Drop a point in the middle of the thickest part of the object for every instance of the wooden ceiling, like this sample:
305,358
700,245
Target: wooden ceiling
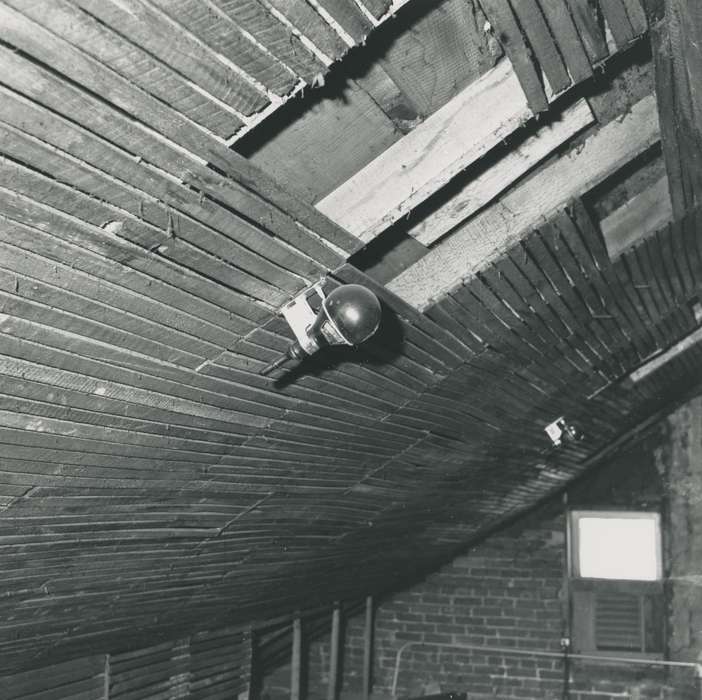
173,171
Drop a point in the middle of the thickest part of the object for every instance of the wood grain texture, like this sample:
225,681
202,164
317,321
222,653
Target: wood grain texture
534,26
158,497
591,34
377,7
449,34
484,235
642,215
508,33
344,122
349,17
393,184
310,24
678,69
617,19
566,36
481,190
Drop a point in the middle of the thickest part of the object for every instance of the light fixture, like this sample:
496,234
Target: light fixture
349,315
561,431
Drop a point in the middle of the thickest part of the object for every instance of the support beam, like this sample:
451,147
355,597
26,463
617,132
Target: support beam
106,678
296,659
415,167
481,190
641,216
677,51
500,225
368,649
335,646
657,362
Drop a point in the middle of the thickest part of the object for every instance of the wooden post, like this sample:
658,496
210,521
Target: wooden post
296,661
334,653
106,678
368,649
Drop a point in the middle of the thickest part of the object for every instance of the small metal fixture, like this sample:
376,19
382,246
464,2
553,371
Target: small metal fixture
561,431
349,315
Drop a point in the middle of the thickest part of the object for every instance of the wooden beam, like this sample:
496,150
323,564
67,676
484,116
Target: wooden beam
657,362
334,650
642,215
368,649
106,678
677,50
502,224
415,167
296,660
504,26
480,191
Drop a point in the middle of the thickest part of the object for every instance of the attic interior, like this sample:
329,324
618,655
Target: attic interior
496,495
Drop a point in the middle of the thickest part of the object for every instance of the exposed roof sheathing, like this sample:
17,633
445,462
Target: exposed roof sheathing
152,484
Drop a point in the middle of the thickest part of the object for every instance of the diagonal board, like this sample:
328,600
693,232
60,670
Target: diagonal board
427,158
641,216
482,189
497,226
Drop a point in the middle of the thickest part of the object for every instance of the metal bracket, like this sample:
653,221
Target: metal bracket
300,316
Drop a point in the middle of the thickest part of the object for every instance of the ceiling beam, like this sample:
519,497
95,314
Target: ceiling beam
657,362
497,226
408,172
488,184
677,51
644,214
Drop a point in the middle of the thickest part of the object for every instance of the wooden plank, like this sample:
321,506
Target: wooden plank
388,188
368,649
641,216
214,264
586,21
83,31
507,30
253,18
257,192
83,235
386,93
537,32
126,132
580,240
153,31
378,8
567,38
496,227
310,24
296,662
683,26
123,288
311,135
114,176
637,16
448,33
618,21
481,190
334,654
349,17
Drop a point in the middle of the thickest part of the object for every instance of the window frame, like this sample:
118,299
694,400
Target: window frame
574,543
584,590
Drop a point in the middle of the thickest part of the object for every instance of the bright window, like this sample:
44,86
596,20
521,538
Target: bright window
619,545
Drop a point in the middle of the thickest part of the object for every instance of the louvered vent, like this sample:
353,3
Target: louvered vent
618,622
628,622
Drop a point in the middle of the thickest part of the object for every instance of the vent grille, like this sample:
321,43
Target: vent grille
628,622
618,622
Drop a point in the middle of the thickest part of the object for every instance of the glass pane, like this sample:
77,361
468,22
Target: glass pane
618,547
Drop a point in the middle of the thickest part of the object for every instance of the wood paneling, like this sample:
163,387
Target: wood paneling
559,37
152,484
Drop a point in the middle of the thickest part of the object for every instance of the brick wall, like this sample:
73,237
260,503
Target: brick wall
508,592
